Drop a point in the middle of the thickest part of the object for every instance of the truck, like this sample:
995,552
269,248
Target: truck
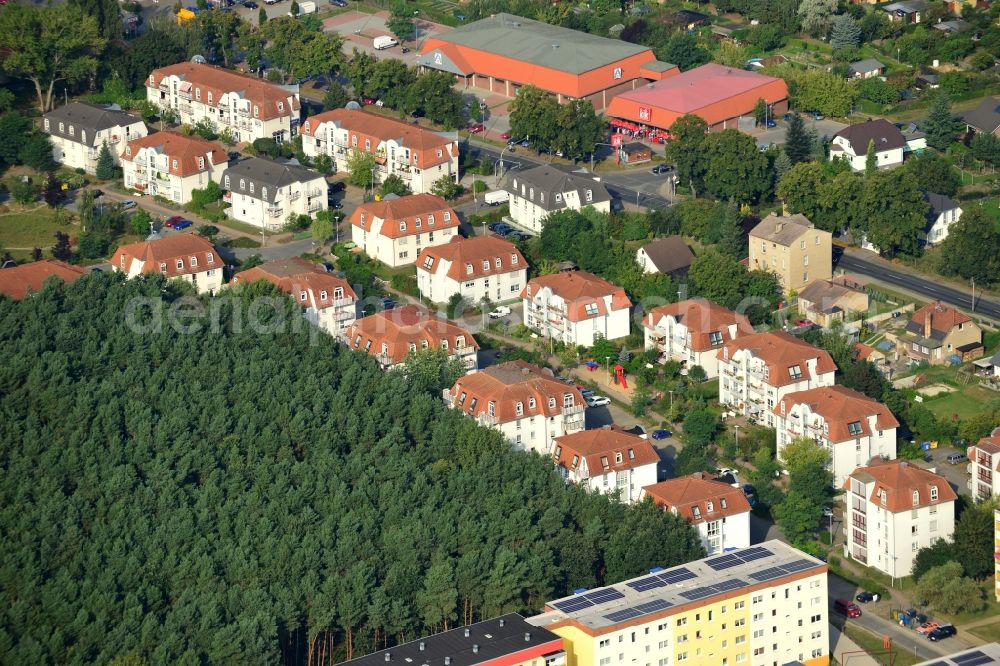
384,42
497,198
307,7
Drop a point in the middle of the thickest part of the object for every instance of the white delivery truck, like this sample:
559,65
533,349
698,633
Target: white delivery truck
308,7
384,42
497,198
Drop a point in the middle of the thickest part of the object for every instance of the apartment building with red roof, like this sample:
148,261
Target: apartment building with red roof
692,331
892,509
171,165
756,371
396,230
419,156
607,460
524,402
392,335
477,268
576,308
250,108
938,333
720,512
186,257
17,282
851,426
984,467
329,301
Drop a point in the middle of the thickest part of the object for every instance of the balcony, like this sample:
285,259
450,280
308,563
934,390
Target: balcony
274,212
184,94
184,108
313,206
294,196
316,192
571,411
245,113
164,87
487,419
448,396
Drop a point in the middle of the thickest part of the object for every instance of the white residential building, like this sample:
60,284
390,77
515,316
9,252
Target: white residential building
186,257
250,108
524,402
545,189
850,425
396,230
893,509
757,371
78,130
607,460
478,268
392,335
943,213
172,165
851,144
419,156
576,308
691,332
265,193
984,467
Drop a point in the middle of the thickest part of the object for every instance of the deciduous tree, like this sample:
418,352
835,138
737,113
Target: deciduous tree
734,167
972,248
684,150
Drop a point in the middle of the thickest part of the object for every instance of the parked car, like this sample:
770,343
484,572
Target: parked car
233,155
497,226
172,221
865,597
586,393
942,632
183,224
369,100
662,168
128,204
847,607
956,458
97,194
477,128
928,626
338,3
516,235
387,303
505,136
499,312
827,512
250,4
335,187
660,433
598,401
335,205
817,115
770,123
405,49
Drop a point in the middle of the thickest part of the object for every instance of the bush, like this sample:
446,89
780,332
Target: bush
479,186
23,191
207,195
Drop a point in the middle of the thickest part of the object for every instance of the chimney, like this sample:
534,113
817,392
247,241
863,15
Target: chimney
778,226
527,637
927,323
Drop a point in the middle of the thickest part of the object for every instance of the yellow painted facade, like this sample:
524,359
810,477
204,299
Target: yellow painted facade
996,544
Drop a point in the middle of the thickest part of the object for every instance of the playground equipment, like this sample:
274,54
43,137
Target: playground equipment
620,375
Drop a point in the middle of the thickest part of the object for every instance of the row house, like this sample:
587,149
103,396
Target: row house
265,193
328,300
852,427
171,165
607,460
396,230
392,335
248,107
758,370
892,509
984,467
186,257
719,512
477,269
524,402
78,130
419,156
692,331
576,308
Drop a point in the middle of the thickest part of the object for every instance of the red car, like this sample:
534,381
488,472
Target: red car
172,222
477,128
369,100
505,136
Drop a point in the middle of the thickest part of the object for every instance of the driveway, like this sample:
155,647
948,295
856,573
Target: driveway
823,128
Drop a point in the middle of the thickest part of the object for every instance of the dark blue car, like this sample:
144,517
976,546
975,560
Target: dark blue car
183,224
660,433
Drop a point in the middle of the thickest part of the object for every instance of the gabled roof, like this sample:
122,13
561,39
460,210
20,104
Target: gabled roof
600,448
900,480
399,215
546,186
781,351
702,318
865,66
840,406
381,128
267,175
985,117
402,327
167,252
91,118
508,384
990,445
669,254
185,150
698,490
884,134
907,6
472,258
826,294
943,319
17,282
296,275
206,78
863,352
782,229
578,290
939,204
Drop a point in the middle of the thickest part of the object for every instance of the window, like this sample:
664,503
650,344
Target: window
402,225
741,639
683,638
606,642
795,372
281,106
567,399
174,164
163,268
682,621
591,309
814,618
180,264
460,341
916,497
447,216
552,403
590,195
251,187
934,493
486,264
417,224
854,428
428,262
576,459
715,338
302,295
519,408
444,344
709,506
492,407
739,605
256,112
322,295
696,511
197,94
740,622
682,656
758,599
723,502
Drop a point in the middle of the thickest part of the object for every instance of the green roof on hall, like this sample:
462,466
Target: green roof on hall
541,44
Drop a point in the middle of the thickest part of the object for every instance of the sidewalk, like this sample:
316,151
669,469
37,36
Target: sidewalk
846,651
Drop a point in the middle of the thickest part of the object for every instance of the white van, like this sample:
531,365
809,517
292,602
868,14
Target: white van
384,42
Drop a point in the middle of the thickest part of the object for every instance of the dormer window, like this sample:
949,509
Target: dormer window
491,407
916,497
322,295
590,195
180,264
709,507
696,512
934,493
428,262
468,269
567,399
486,264
243,184
854,428
62,127
209,97
194,261
430,220
368,145
71,130
201,162
402,225
174,164
499,262
715,338
302,295
251,187
444,343
531,403
417,224
513,258
163,268
46,124
263,192
591,309
256,112
338,292
795,372
281,106
631,454
604,462
128,151
722,502
618,457
227,182
460,341
558,197
552,403
519,409
576,459
447,216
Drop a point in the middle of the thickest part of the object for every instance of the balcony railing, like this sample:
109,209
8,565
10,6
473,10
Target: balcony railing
487,419
274,212
316,192
294,196
244,112
184,94
184,108
570,411
314,206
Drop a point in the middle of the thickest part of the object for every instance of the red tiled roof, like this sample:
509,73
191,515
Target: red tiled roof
599,448
508,384
685,493
863,351
481,253
780,351
295,275
404,326
840,406
406,209
17,282
265,96
184,150
943,317
577,290
168,251
702,318
990,445
899,479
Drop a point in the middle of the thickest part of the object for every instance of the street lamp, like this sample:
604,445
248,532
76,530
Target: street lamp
737,428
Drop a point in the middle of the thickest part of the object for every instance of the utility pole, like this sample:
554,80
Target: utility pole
973,294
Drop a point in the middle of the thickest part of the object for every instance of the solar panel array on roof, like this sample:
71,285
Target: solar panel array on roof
698,593
604,595
768,574
735,559
624,614
573,604
782,570
648,583
676,576
653,606
798,565
972,659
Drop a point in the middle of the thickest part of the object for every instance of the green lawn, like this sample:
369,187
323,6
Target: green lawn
992,208
967,402
35,228
868,641
989,633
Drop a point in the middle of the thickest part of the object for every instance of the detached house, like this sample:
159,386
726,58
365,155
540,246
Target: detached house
941,214
607,460
524,402
852,427
865,69
985,117
171,165
692,332
392,335
545,189
827,301
477,268
78,130
793,248
265,193
419,156
938,333
892,509
183,256
248,107
720,512
329,301
983,467
669,255
851,144
17,282
396,229
576,308
757,371
909,11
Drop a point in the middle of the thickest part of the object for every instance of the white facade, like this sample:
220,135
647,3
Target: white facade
883,158
532,432
398,251
531,215
666,329
628,482
438,287
204,270
984,460
157,173
83,154
270,209
939,228
723,533
478,268
557,307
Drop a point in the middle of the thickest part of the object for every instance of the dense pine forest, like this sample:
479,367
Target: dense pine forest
230,496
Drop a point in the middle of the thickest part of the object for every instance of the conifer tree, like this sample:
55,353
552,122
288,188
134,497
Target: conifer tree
105,169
